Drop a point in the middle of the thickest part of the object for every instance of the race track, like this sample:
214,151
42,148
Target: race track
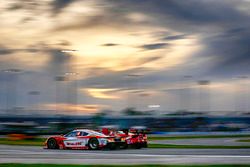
28,154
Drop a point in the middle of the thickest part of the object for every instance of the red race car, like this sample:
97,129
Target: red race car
84,139
135,138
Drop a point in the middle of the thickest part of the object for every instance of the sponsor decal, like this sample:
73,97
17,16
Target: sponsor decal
75,143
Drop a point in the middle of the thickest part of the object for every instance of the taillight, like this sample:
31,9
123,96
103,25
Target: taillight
111,140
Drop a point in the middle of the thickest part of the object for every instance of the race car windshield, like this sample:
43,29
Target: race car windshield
71,134
120,132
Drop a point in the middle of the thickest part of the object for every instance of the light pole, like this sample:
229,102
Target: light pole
136,78
241,101
189,78
58,79
204,104
11,85
32,94
72,93
185,93
67,77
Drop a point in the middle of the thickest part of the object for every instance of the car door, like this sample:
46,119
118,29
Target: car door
71,139
82,138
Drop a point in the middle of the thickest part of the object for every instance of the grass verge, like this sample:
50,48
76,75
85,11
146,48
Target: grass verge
244,140
27,142
54,165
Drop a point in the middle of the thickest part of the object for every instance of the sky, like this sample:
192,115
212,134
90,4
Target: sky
85,56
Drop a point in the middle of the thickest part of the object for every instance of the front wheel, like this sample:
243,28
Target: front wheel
93,144
52,144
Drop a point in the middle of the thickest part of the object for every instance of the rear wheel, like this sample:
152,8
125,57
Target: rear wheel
112,146
52,144
93,144
138,145
124,146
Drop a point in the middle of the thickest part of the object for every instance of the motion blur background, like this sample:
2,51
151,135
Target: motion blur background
171,66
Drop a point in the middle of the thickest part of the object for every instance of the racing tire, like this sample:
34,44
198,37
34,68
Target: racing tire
52,144
93,144
138,146
112,146
145,145
124,146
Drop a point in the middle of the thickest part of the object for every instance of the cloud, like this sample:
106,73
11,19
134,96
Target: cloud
15,6
97,20
64,43
112,79
230,51
4,51
222,30
59,5
102,93
219,29
65,108
110,44
59,62
173,13
174,37
154,46
148,59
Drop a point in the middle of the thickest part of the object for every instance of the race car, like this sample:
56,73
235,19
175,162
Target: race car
84,139
135,138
